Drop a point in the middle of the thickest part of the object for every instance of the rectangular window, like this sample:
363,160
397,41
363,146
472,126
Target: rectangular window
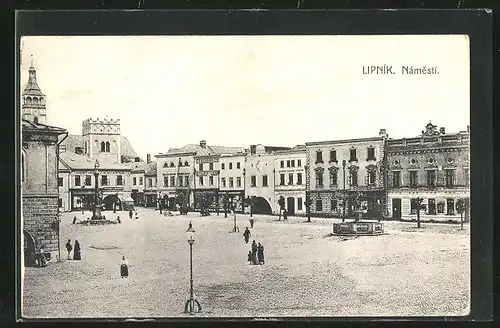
293,163
200,167
230,166
290,179
299,204
396,179
333,205
371,154
413,206
78,182
186,180
299,179
353,157
200,180
413,179
231,182
432,206
172,181
88,180
60,182
141,181
282,179
319,179
264,181
165,181
333,178
299,163
466,177
134,181
119,180
282,164
319,156
353,179
450,178
333,156
450,206
150,182
211,166
288,164
440,208
238,182
211,180
319,205
223,166
238,166
104,180
60,202
223,181
431,178
372,178
253,181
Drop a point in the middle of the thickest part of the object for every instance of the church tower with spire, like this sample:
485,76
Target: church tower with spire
33,100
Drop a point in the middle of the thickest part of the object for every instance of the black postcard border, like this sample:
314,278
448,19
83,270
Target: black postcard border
478,24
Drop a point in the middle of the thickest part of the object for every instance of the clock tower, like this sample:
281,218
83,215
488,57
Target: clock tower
33,100
101,139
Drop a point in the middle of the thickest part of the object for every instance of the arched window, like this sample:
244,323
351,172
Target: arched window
186,163
107,147
172,164
103,146
35,100
165,165
28,100
35,119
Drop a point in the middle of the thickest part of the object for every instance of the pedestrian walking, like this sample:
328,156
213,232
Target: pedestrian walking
124,268
69,248
76,251
74,220
136,215
249,260
130,214
260,253
247,235
118,219
251,222
254,252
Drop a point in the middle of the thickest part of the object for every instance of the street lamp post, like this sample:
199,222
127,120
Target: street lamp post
343,178
96,215
192,302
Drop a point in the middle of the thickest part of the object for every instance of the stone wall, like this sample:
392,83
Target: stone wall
40,218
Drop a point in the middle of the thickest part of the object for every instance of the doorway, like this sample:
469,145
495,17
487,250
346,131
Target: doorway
290,205
396,208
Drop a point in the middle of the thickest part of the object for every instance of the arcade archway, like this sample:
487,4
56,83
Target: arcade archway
261,206
29,242
111,201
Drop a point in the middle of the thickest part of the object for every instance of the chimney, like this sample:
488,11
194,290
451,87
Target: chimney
148,158
253,149
203,144
382,133
137,159
442,130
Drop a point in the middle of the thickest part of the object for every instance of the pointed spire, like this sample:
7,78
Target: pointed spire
31,63
32,87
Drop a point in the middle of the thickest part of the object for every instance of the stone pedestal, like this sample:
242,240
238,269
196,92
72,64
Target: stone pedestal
358,228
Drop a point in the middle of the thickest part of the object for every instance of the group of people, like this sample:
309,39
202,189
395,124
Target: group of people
131,215
256,255
77,255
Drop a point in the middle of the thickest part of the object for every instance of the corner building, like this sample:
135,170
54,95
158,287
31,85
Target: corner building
344,176
433,166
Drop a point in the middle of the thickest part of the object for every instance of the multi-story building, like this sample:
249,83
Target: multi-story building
150,187
38,180
232,179
290,178
433,166
260,178
346,177
178,171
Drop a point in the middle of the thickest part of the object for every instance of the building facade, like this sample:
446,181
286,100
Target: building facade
433,166
290,179
232,179
345,178
150,188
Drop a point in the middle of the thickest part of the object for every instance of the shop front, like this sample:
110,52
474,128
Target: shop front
235,197
82,199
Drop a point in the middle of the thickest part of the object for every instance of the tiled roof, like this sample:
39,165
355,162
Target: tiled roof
32,88
138,166
296,149
207,150
73,141
151,170
81,162
28,126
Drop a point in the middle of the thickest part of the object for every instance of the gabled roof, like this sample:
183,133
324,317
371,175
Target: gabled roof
29,126
81,162
138,167
296,149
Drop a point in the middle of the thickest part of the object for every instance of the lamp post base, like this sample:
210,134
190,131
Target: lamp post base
192,306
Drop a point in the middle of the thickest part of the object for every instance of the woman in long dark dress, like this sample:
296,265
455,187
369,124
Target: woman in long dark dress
260,253
76,251
124,268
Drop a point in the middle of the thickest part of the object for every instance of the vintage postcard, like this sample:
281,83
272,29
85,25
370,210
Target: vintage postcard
245,176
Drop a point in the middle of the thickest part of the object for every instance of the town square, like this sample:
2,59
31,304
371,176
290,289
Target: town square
246,198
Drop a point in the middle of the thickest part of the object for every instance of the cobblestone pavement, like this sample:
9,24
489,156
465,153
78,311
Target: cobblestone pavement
406,271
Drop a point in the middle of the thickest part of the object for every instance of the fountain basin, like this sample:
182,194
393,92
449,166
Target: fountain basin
358,228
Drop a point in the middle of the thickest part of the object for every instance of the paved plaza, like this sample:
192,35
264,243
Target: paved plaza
307,272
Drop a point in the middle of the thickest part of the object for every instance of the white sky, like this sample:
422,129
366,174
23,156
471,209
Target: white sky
242,90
